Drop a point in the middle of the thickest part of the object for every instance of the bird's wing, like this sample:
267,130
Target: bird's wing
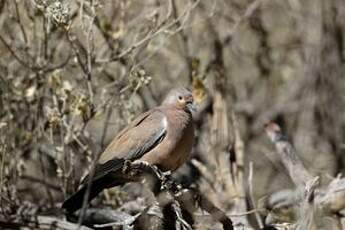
102,170
141,136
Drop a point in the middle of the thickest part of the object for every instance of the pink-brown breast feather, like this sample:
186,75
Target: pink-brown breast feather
175,148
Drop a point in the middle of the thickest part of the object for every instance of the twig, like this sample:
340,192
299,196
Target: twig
215,212
89,49
163,26
239,151
22,62
185,48
248,212
20,23
180,222
41,222
87,193
251,196
109,112
207,175
43,182
247,14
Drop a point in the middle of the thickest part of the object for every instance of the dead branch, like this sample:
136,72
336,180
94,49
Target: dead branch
101,217
310,201
41,222
332,199
298,173
169,195
184,198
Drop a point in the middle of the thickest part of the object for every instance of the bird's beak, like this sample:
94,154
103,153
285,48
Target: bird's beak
191,106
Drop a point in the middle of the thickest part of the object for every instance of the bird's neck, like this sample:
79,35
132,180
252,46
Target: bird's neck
180,114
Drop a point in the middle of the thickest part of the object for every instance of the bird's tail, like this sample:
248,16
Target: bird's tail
75,202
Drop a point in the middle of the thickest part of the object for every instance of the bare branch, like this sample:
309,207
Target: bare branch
42,222
161,28
298,173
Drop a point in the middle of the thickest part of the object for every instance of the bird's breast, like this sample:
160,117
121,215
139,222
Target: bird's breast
183,148
180,138
176,146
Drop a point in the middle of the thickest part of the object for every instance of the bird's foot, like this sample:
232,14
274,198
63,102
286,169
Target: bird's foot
126,166
165,176
167,173
157,171
144,164
143,167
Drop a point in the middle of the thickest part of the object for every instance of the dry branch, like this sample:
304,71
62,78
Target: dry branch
298,173
41,222
184,198
332,199
310,200
169,195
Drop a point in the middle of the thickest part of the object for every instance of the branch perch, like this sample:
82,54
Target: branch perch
180,202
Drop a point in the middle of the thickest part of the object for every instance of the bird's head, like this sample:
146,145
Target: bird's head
273,131
180,97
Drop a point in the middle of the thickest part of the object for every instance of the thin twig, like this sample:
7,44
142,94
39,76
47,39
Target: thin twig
22,62
163,26
20,22
251,195
247,14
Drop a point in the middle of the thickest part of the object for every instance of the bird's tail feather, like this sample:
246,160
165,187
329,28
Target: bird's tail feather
105,177
75,202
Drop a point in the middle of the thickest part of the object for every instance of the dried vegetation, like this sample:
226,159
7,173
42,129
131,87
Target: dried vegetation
73,73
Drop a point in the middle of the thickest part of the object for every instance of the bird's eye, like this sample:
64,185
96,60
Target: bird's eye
180,98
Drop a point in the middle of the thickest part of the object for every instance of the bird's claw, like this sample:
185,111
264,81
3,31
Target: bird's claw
167,173
126,166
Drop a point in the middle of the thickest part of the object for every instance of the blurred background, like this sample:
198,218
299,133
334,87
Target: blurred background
73,73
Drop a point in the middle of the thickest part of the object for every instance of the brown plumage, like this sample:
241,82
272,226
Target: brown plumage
162,136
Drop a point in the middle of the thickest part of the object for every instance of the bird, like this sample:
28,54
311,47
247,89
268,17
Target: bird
274,132
162,137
